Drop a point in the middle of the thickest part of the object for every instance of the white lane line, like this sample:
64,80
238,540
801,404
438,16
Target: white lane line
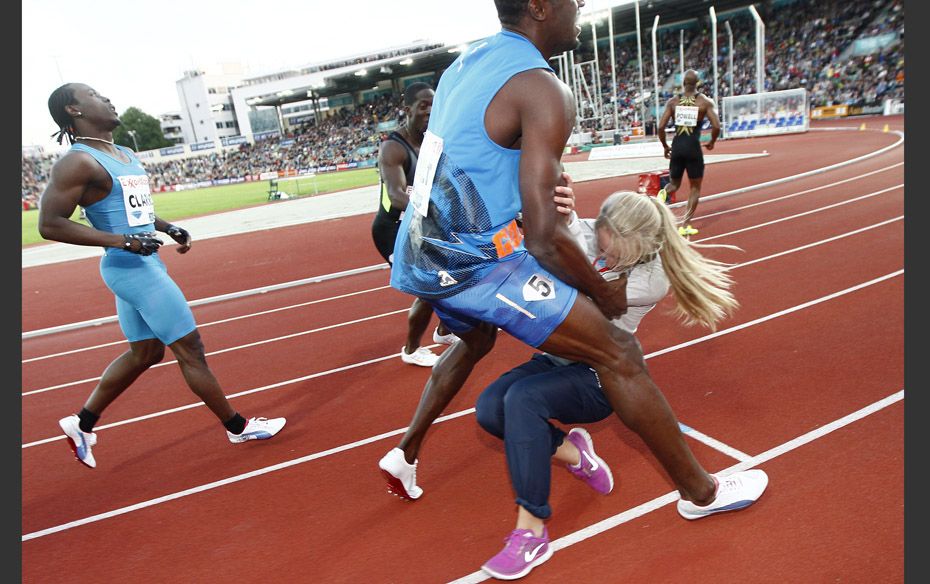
212,299
649,356
314,279
713,443
821,242
215,322
798,194
234,479
775,315
804,214
750,262
236,348
799,176
672,497
558,544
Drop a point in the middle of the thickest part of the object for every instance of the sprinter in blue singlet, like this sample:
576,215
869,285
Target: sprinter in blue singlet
493,147
112,187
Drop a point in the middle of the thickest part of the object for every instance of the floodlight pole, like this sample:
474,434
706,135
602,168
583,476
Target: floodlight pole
681,52
597,74
713,34
613,65
574,85
655,67
132,134
639,53
730,35
760,49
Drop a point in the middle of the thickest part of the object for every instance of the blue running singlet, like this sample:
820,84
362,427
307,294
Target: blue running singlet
466,194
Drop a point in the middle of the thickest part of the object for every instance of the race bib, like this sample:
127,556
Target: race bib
686,115
137,199
427,161
538,288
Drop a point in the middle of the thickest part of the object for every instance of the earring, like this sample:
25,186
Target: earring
78,114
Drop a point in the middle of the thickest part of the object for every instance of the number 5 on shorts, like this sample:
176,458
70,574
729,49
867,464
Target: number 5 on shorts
538,288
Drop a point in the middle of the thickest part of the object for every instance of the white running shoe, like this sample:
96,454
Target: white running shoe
401,476
443,339
422,357
81,442
736,491
257,429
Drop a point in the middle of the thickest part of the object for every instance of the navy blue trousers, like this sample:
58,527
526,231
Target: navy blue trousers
517,408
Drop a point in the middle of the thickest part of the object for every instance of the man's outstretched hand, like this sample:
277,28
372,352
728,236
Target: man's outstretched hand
180,235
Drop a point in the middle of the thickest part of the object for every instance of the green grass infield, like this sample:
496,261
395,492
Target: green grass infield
174,206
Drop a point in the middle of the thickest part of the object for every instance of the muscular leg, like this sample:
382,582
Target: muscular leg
587,336
693,196
124,370
673,185
447,377
417,321
188,350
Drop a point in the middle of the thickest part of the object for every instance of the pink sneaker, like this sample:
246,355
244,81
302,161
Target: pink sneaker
523,552
591,469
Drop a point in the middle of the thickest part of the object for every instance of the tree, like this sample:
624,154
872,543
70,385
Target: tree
148,131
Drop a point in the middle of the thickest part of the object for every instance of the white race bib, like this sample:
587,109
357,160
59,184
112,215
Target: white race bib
538,288
686,115
138,199
427,161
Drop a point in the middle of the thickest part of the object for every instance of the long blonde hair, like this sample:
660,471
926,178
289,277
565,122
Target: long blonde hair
647,227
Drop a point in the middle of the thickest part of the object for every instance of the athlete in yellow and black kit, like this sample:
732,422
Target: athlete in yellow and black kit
397,164
689,109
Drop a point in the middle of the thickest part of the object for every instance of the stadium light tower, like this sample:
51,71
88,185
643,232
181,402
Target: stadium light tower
760,49
713,36
613,64
730,35
132,133
681,52
639,54
655,66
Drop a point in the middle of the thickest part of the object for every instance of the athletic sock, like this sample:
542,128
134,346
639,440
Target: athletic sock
87,420
235,424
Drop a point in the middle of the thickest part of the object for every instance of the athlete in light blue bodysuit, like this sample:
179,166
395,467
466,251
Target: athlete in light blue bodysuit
112,187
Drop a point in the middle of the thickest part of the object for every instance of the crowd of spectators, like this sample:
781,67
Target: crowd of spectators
808,44
348,135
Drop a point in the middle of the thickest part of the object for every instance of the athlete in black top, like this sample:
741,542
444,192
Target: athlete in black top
690,109
387,220
397,164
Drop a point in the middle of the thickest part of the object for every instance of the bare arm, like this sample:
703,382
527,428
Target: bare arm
714,124
660,128
543,106
391,160
71,179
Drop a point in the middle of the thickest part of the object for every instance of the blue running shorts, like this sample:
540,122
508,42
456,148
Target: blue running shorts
148,302
518,295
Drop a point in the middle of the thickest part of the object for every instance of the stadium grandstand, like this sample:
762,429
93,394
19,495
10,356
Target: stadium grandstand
332,116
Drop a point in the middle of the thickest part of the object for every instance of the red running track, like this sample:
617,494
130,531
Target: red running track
818,337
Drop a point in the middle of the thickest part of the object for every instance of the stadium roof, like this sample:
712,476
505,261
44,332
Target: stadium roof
349,80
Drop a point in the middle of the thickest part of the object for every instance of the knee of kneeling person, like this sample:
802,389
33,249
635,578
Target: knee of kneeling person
489,415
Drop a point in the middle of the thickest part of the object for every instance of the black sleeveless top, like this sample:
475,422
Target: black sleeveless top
385,209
